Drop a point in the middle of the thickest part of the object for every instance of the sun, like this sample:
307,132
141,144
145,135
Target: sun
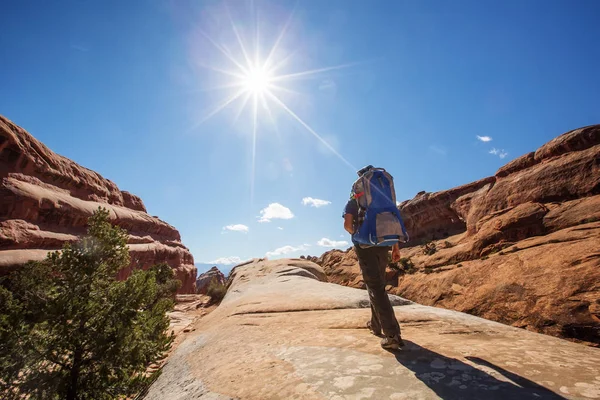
257,81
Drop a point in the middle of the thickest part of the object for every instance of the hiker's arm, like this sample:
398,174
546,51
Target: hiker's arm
396,253
349,223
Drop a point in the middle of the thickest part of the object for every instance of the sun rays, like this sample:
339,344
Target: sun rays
258,83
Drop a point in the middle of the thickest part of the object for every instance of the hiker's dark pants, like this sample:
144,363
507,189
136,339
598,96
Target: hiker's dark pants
373,261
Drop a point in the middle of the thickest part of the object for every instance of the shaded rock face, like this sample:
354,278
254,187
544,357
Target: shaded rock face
204,280
46,199
521,247
282,332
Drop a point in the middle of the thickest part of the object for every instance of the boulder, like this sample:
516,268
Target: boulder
204,280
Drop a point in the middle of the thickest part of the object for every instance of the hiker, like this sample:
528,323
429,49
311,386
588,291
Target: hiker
372,218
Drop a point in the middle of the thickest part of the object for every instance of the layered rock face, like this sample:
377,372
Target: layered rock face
205,279
282,332
521,247
46,199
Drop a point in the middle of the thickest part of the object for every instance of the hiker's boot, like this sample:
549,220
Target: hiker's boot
373,331
392,342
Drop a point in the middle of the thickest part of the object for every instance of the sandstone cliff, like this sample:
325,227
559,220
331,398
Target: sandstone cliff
521,247
281,332
46,199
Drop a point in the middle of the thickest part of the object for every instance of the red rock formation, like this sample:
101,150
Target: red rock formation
46,199
204,280
521,247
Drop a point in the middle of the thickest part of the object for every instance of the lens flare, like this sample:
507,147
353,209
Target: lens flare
258,83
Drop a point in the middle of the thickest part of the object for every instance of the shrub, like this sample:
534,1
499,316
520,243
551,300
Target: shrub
447,244
428,270
429,248
407,265
485,257
459,265
216,290
70,330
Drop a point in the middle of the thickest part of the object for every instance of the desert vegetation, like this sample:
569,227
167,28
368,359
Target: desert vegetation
70,330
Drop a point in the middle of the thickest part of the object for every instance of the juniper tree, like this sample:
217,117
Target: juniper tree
69,329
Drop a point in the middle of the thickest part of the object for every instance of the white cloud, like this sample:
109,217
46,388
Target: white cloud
275,211
280,228
499,153
286,250
226,260
236,228
79,47
309,201
438,150
484,138
332,243
327,84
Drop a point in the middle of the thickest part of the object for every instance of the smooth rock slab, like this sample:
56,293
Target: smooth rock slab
280,333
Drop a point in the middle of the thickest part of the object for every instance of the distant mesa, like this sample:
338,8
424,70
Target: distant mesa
520,247
46,199
205,279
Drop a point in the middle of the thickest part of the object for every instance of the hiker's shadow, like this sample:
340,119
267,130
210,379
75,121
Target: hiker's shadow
450,378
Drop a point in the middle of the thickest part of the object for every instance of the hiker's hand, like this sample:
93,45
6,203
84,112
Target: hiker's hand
395,253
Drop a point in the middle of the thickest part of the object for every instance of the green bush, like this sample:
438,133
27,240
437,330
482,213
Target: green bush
70,330
447,244
407,265
216,290
429,248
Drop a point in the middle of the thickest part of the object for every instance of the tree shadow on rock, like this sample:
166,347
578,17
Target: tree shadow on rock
450,378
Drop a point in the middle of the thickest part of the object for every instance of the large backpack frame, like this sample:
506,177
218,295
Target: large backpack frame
381,224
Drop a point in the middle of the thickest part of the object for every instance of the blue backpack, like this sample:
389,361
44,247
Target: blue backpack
382,224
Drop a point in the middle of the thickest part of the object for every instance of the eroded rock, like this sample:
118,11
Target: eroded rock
204,280
523,246
46,200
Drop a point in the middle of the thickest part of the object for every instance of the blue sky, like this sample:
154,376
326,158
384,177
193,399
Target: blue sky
124,88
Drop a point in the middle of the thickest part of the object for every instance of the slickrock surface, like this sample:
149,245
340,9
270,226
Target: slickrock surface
46,199
188,308
283,333
521,247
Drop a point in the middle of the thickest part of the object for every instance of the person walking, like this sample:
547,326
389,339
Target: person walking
374,222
